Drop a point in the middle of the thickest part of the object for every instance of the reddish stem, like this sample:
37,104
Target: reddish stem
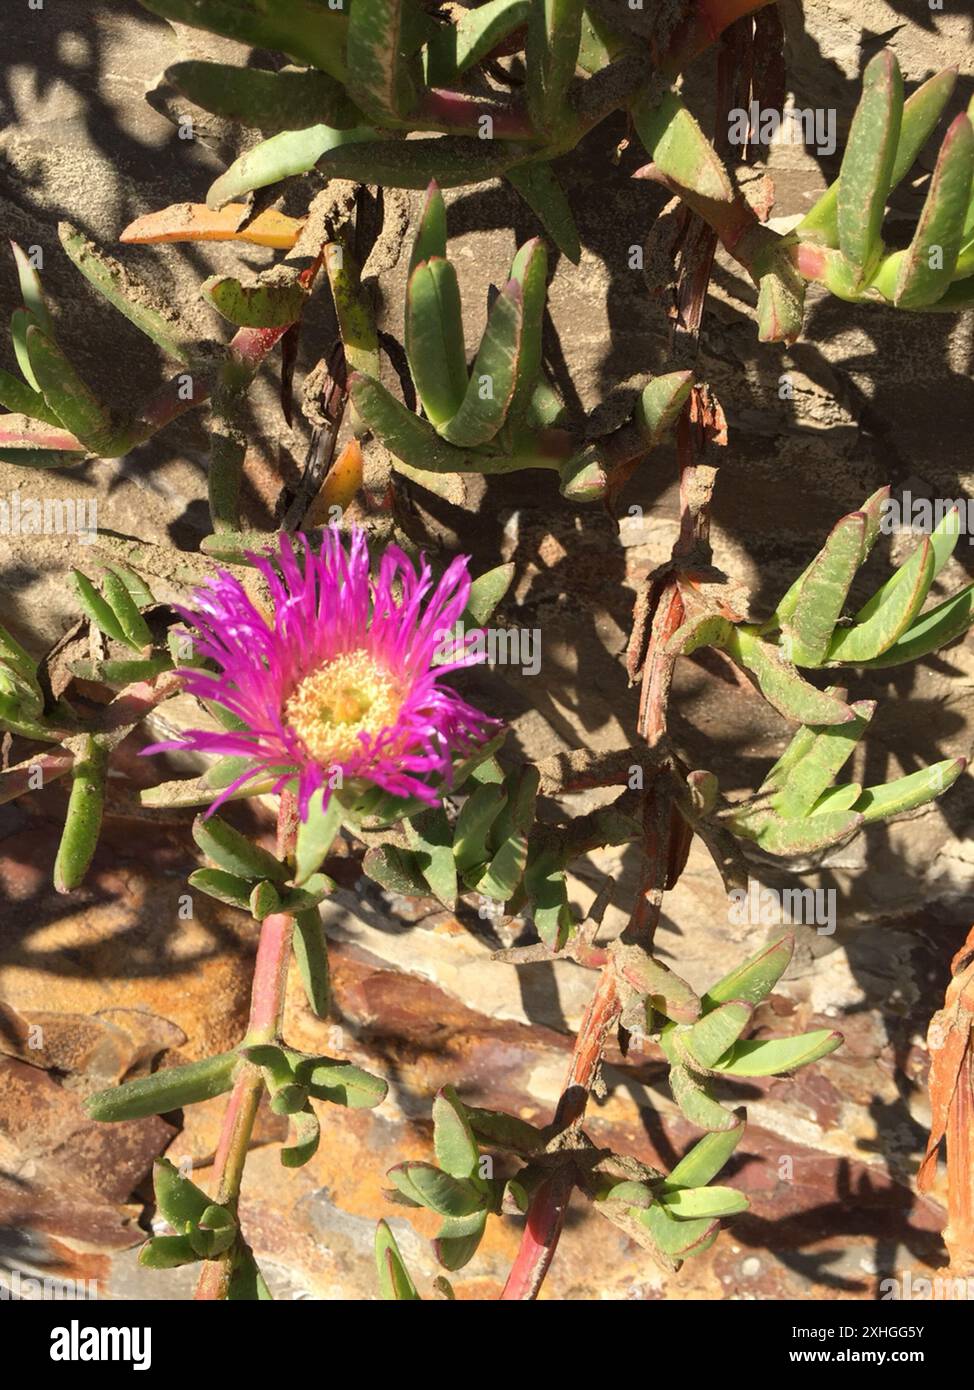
549,1206
705,24
266,1010
461,114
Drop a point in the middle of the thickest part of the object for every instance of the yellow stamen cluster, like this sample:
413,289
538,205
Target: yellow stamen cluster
346,697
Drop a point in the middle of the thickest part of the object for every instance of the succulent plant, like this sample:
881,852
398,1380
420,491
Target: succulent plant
502,414
438,803
840,241
57,420
387,68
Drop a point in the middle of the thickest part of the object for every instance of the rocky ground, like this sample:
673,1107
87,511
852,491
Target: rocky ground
117,978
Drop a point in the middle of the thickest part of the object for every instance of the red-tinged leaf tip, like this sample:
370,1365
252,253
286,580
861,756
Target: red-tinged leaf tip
513,291
959,126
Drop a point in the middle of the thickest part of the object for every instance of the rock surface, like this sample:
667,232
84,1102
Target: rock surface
118,978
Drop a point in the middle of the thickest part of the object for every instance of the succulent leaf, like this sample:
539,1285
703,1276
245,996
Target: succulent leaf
547,891
394,1281
340,1083
694,1203
378,78
707,1157
291,152
530,271
257,305
660,404
921,112
452,161
431,839
236,853
71,399
21,399
456,47
226,888
774,1056
823,592
135,629
710,1037
31,291
927,267
780,683
678,1238
271,101
661,987
309,31
551,55
867,165
474,822
458,1239
456,1148
538,185
681,151
815,771
169,1089
756,977
125,291
494,375
506,869
446,1195
404,434
311,954
697,1105
431,234
82,823
806,836
890,611
316,834
434,339
306,1133
487,591
907,793
930,631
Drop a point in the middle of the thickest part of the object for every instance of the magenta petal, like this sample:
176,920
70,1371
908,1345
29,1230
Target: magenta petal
325,604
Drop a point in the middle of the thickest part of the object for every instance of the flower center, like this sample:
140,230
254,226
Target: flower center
346,697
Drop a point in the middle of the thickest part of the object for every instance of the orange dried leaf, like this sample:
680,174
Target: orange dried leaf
951,1085
343,481
197,222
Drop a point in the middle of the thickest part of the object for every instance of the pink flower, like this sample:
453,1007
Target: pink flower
339,677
